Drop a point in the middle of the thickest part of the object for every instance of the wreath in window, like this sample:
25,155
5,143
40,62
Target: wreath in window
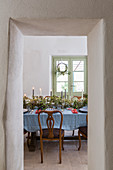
61,71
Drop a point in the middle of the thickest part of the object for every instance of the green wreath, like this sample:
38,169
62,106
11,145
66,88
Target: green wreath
62,72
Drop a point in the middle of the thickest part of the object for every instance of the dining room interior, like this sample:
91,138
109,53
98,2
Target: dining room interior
50,88
57,75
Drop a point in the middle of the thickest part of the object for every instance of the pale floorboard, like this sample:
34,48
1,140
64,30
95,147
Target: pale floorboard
72,159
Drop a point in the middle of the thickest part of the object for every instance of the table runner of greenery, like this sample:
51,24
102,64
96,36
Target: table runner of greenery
53,102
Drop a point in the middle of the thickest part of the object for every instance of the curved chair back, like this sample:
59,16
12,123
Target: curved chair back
50,122
47,97
50,97
78,97
87,118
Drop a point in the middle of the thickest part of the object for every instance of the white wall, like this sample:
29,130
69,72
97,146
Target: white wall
14,106
14,84
37,59
96,98
60,9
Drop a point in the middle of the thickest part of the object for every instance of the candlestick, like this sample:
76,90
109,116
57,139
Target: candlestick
61,94
40,91
33,92
65,93
51,93
24,103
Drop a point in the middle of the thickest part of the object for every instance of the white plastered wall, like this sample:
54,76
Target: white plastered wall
14,105
38,52
96,142
60,9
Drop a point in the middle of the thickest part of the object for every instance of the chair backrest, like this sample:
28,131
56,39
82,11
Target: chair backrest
87,119
78,97
47,97
50,122
50,97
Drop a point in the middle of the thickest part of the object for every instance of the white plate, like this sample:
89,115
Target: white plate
25,110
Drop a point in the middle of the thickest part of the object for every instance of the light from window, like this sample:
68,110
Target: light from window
75,82
78,76
62,80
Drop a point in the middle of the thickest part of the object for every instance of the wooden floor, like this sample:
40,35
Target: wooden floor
72,159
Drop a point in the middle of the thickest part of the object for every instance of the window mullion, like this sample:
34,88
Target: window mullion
70,77
55,82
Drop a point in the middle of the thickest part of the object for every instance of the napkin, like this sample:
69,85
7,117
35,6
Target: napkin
69,108
37,111
74,111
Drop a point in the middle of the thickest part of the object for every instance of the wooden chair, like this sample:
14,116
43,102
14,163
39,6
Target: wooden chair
51,133
49,97
82,131
77,97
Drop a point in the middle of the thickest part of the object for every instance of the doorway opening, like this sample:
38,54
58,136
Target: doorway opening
54,27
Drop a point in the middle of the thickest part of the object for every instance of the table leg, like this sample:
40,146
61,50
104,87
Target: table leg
73,133
32,146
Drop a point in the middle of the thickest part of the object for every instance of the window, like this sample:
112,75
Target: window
61,80
74,82
78,76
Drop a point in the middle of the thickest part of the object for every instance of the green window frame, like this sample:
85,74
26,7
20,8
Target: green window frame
70,60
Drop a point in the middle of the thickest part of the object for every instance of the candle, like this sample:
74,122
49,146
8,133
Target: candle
33,92
24,95
51,93
82,94
68,97
61,94
40,91
65,93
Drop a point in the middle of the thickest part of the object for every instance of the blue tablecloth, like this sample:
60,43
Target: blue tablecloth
71,121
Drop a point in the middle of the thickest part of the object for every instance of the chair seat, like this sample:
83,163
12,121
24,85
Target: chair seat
25,131
55,132
83,130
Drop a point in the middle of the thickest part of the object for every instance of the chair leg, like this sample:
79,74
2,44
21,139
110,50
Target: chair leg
24,146
79,140
28,139
60,141
73,133
63,142
41,146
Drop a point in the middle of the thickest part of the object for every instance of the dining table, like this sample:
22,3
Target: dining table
71,121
